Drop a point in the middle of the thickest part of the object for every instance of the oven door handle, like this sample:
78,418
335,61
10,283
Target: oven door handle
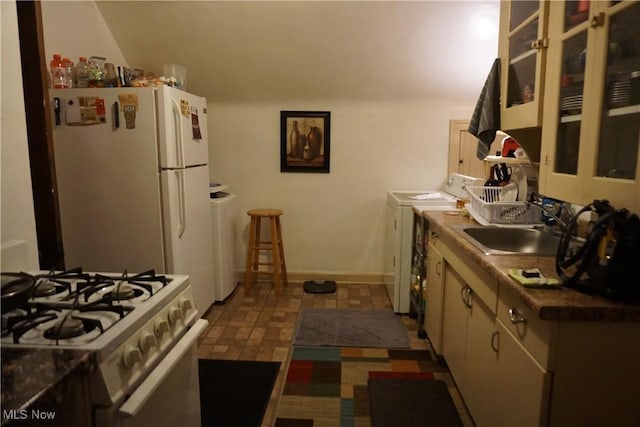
136,401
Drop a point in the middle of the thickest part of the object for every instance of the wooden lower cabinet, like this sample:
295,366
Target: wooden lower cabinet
468,332
522,385
481,364
454,327
435,295
500,382
514,369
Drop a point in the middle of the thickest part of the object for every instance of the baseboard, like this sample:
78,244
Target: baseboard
340,278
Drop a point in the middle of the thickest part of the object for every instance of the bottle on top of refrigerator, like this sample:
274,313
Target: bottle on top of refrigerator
97,71
68,72
58,70
81,73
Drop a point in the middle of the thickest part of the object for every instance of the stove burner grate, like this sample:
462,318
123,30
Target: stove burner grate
125,287
53,283
69,326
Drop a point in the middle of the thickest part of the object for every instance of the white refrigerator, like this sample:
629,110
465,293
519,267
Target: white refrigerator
133,182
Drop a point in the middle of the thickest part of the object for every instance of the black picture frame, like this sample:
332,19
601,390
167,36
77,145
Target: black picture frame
305,143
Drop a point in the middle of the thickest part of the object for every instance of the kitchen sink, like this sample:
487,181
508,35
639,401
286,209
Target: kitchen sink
510,241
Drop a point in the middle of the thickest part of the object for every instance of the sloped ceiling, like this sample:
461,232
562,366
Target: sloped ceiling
255,51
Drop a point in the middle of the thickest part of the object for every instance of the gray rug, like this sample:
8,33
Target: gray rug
350,328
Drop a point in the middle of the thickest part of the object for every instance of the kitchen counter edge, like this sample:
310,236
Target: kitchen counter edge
550,304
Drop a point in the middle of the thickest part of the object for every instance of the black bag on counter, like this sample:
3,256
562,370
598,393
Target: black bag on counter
608,263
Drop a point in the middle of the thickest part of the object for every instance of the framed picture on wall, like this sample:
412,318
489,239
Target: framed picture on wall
304,141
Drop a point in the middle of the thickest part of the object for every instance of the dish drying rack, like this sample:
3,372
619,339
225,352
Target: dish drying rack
487,209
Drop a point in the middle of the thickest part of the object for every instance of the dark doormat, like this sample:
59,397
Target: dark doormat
235,393
319,286
396,402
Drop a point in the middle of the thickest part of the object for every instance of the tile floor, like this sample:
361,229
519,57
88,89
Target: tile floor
261,327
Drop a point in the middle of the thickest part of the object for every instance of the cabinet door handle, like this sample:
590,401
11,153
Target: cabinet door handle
466,293
439,268
515,317
495,341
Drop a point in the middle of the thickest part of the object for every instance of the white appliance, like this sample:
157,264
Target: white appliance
224,217
133,182
143,329
400,206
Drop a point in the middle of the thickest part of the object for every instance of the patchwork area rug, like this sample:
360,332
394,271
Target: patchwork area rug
235,393
350,328
328,386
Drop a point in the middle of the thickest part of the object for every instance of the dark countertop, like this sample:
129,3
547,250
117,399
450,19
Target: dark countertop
40,378
550,304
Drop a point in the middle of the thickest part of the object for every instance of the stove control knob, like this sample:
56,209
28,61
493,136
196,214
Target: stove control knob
160,327
131,356
185,305
175,313
147,341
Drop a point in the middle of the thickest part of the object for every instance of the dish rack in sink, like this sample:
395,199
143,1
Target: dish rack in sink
487,209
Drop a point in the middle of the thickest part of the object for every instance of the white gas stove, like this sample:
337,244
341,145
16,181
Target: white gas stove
133,323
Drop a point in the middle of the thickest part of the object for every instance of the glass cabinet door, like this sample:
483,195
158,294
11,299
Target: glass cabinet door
522,65
620,128
591,131
574,53
522,39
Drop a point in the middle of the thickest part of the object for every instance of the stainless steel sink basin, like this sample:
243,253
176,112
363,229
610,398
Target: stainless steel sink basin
510,241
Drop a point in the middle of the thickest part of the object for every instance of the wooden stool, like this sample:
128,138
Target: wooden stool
278,267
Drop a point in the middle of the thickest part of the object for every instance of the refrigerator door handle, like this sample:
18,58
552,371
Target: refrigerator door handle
179,137
182,209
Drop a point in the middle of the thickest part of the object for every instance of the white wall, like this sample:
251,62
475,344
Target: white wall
76,28
333,223
18,220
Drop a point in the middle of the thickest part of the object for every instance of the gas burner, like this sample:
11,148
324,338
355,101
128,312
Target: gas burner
46,287
116,291
55,286
123,291
69,327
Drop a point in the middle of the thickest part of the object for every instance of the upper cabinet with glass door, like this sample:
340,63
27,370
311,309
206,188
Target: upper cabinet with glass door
591,129
521,49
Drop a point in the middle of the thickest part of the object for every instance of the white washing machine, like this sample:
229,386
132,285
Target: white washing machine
400,231
224,219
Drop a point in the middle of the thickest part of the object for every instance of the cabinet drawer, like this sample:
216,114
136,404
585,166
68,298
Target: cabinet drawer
533,333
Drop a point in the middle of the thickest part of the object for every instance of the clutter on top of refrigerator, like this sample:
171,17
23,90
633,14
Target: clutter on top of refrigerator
98,73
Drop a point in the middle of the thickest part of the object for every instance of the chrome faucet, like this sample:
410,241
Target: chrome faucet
554,218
